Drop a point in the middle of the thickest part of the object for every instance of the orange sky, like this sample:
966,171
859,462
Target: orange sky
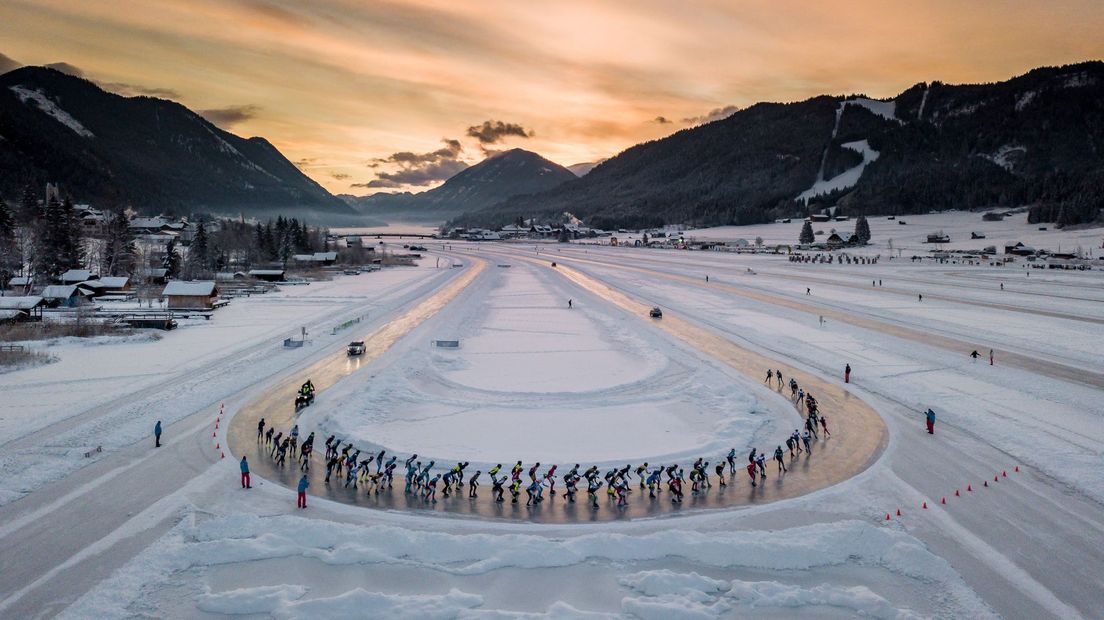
363,92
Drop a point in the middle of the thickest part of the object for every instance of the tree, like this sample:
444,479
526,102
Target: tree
8,253
50,242
199,253
72,240
758,242
806,234
119,251
862,230
171,262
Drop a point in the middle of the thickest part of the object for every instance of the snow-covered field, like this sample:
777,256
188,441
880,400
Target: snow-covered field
137,532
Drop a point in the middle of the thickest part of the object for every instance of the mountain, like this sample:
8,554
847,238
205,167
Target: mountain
584,168
500,176
1036,140
151,154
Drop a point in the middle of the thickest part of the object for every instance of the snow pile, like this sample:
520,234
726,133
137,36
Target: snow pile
846,179
241,539
667,594
50,108
1025,99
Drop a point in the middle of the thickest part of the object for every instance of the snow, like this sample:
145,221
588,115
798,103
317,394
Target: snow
200,287
1006,156
923,102
52,109
846,179
1025,99
884,109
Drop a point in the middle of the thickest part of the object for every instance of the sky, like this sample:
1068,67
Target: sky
397,95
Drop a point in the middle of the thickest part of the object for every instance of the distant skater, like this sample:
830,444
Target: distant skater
770,375
570,304
822,320
157,435
974,355
990,357
930,419
847,373
260,429
808,291
707,278
920,297
245,474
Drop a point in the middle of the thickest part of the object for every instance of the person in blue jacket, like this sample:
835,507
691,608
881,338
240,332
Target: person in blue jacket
245,474
157,435
930,416
303,484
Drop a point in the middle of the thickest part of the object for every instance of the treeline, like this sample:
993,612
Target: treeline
42,240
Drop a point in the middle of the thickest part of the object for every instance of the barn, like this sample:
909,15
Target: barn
195,295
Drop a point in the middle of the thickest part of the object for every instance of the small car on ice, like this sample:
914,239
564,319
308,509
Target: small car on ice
356,347
655,313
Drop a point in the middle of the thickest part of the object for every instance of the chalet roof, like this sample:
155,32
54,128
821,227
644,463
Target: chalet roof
266,272
325,255
19,281
76,275
7,314
114,281
20,303
205,288
62,291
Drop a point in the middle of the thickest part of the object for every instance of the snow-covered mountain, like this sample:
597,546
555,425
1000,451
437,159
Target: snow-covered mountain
151,154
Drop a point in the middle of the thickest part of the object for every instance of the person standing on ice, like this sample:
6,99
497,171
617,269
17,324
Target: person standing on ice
990,357
974,355
157,434
824,425
731,458
260,429
800,397
805,437
778,457
930,419
473,484
920,297
770,375
778,376
303,484
570,303
847,373
245,474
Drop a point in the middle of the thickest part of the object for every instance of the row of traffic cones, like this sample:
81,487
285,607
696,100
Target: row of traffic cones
957,493
214,434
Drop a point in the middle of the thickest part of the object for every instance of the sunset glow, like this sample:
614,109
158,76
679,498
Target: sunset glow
345,88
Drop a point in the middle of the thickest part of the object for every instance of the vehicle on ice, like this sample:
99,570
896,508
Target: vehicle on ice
303,400
356,347
655,313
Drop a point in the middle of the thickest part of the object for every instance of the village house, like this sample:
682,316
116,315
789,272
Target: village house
25,308
76,276
268,275
65,295
191,295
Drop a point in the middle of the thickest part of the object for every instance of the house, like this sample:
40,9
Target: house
839,240
1019,249
76,276
192,295
268,275
938,237
20,284
819,217
65,295
115,285
153,275
21,308
353,241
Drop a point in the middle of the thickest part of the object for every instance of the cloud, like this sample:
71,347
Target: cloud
8,64
133,90
418,168
230,115
340,176
715,114
491,132
662,120
66,68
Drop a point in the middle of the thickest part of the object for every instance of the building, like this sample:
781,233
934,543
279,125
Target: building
268,275
153,275
76,276
21,308
1019,249
193,295
318,258
65,295
115,285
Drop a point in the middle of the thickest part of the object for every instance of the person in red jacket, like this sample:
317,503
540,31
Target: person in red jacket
751,468
847,373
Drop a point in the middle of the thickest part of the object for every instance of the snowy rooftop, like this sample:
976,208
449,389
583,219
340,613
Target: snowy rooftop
19,303
202,287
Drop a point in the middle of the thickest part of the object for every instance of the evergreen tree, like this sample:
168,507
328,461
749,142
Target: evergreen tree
8,262
199,258
50,242
28,207
171,261
119,250
807,235
72,239
862,230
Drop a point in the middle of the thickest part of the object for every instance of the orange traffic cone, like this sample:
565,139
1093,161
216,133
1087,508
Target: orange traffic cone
1004,474
212,433
969,488
925,506
995,479
217,446
986,483
1017,470
943,501
222,455
956,493
898,512
887,516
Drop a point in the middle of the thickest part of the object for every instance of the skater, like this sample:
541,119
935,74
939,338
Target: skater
824,426
675,487
532,492
570,303
805,437
770,375
1002,286
260,429
920,297
808,291
822,320
990,357
245,474
473,484
731,458
778,458
720,469
431,489
379,460
593,484
800,397
974,355
268,435
303,484
550,478
515,485
761,465
640,473
653,481
496,487
847,373
157,435
930,419
778,376
751,473
707,278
